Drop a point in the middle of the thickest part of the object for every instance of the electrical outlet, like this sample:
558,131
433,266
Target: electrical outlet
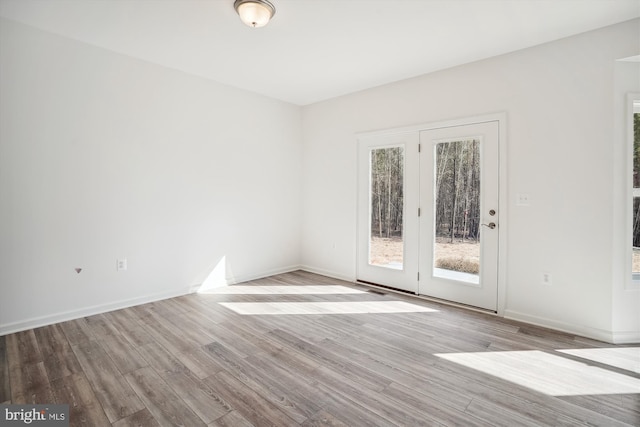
121,264
545,278
522,199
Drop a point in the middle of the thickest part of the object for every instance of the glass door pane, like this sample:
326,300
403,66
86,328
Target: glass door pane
386,246
457,210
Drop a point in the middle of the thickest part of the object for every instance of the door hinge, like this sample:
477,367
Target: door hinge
419,147
418,211
418,276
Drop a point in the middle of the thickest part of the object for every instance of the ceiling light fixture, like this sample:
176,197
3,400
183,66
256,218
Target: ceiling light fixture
254,13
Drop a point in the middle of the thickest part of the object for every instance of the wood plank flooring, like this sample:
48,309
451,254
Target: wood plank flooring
353,358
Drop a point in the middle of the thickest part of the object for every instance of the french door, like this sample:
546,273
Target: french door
460,228
428,212
387,210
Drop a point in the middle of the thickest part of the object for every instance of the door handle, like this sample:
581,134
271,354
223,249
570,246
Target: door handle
491,225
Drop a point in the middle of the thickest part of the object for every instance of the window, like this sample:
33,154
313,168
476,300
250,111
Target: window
636,193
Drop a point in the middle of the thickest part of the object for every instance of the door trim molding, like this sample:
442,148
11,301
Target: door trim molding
501,118
491,117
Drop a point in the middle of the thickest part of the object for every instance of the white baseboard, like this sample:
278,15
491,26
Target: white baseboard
38,322
248,277
626,337
327,273
585,331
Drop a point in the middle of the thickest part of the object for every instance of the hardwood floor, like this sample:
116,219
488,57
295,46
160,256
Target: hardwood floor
328,353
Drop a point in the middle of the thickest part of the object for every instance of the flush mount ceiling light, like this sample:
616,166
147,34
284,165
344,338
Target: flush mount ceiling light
254,13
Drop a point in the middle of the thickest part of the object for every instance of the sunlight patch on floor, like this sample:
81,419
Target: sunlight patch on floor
546,373
342,307
284,290
622,357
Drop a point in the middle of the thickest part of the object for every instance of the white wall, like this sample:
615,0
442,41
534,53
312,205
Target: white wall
103,156
559,100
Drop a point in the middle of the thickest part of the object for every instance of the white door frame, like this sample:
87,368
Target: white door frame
501,118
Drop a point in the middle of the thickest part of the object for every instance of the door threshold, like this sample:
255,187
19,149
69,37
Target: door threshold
388,288
428,298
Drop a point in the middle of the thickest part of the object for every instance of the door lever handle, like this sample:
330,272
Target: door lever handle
491,225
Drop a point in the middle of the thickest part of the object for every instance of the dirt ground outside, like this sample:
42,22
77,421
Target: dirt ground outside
388,251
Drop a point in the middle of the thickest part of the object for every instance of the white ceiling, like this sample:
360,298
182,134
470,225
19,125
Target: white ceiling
317,49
